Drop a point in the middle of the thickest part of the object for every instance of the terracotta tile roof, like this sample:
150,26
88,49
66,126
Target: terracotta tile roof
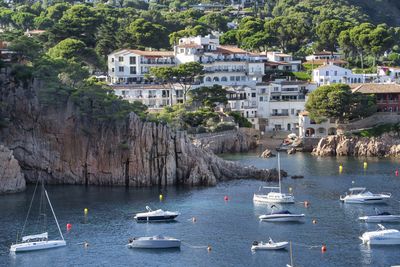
304,113
376,88
225,49
324,53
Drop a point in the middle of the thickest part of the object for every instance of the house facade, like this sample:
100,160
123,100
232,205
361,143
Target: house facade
387,95
331,74
324,55
310,129
281,102
154,96
128,66
224,65
280,61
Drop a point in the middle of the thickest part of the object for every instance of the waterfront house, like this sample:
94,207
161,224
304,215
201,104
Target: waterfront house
310,129
281,101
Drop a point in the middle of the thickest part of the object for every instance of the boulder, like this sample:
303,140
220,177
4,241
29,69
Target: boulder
267,154
11,178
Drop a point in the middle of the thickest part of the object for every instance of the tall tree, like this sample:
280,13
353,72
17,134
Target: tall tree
328,32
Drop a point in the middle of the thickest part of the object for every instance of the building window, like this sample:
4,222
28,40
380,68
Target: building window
253,94
276,89
181,50
224,79
112,59
112,69
237,78
121,69
132,60
292,111
208,79
132,70
232,78
261,99
335,72
121,59
243,78
327,73
263,91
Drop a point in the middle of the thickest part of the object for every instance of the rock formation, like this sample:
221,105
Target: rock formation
340,145
62,147
267,154
234,141
11,178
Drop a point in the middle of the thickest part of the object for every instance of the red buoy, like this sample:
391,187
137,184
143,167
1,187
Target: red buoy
226,198
323,248
306,204
69,226
397,172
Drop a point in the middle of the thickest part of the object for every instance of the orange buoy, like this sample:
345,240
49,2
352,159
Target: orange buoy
314,221
323,248
69,226
226,198
208,248
306,204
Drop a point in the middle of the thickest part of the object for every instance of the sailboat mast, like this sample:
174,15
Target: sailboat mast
291,255
51,206
279,173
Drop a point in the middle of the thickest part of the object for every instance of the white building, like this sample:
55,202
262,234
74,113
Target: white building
242,99
324,55
310,129
331,74
280,61
129,66
154,96
224,65
281,101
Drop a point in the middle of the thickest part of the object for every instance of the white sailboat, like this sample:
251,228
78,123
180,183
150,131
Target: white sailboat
273,196
38,241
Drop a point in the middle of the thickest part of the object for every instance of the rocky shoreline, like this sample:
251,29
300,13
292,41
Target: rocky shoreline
62,147
387,145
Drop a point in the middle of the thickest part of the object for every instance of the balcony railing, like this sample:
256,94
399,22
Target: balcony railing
279,114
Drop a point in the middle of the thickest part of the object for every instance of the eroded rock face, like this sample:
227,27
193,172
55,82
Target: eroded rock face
235,141
61,147
386,145
11,177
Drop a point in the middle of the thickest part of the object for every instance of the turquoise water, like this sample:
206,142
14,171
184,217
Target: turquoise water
228,226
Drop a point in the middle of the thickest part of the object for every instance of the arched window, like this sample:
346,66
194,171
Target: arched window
216,79
224,79
208,79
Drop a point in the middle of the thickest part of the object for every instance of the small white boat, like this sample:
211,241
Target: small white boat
156,215
273,196
380,217
157,241
270,245
382,236
281,216
360,195
39,241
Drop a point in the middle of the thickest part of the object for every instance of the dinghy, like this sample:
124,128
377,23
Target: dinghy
270,245
157,241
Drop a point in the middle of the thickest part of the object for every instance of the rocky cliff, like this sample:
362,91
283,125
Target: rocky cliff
234,141
11,178
340,145
61,146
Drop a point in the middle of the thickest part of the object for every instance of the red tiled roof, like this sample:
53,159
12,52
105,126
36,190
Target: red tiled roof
225,49
376,88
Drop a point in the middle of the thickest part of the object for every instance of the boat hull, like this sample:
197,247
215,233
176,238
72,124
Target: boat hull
38,245
364,200
266,199
155,244
165,218
381,218
282,218
275,246
381,241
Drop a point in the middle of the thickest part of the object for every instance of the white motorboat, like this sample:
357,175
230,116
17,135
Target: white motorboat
275,195
156,215
39,241
380,217
382,236
281,216
270,245
360,195
157,241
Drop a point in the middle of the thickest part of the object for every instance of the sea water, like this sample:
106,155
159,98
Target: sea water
228,227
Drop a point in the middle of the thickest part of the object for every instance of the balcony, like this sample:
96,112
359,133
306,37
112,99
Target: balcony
150,62
280,114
